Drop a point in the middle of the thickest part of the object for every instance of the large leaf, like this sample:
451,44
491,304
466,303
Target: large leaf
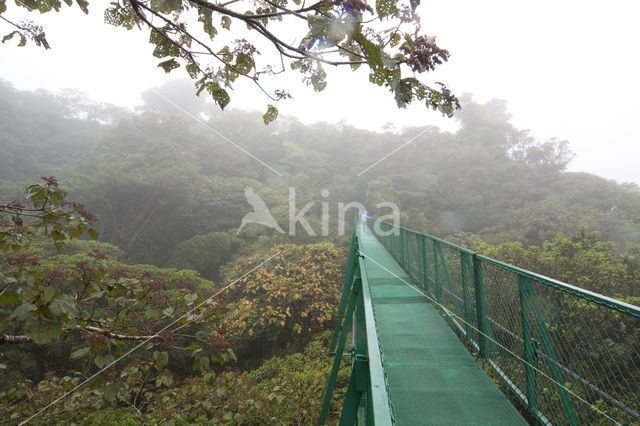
270,115
110,392
22,312
162,359
43,331
167,66
166,6
219,95
244,63
372,52
64,305
48,294
80,353
385,7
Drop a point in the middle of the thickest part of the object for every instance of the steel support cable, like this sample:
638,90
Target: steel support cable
448,312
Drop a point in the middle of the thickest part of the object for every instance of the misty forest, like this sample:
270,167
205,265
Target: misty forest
118,225
166,197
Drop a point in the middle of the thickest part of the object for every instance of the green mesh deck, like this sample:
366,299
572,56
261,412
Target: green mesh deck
570,356
431,377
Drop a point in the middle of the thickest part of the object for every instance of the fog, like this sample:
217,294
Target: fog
566,70
164,261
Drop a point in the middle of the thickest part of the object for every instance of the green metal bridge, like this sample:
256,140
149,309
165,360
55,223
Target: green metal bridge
443,335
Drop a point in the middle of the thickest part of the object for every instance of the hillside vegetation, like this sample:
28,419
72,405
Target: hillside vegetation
169,197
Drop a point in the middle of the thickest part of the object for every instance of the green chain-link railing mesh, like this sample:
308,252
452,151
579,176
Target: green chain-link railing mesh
570,356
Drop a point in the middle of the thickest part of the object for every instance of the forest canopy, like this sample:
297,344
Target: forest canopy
165,197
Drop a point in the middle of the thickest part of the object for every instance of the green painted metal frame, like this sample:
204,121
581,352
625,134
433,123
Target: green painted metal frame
366,399
471,265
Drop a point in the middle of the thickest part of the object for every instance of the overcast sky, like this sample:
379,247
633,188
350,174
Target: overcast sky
568,69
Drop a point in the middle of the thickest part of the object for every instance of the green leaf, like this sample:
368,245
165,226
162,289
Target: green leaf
80,353
190,298
395,39
110,392
23,311
43,331
10,297
202,363
219,95
162,359
404,90
164,47
385,8
167,312
318,26
93,234
205,16
270,115
166,6
232,354
48,294
226,22
318,79
102,361
23,39
168,66
192,69
372,52
84,6
38,196
244,63
220,357
64,304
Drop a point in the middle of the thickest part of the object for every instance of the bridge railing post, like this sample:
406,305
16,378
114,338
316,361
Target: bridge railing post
481,309
423,264
438,282
529,344
354,294
352,264
467,278
402,248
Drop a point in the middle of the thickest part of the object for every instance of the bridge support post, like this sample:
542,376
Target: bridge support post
447,279
550,352
358,385
352,265
354,294
529,345
436,273
481,309
467,278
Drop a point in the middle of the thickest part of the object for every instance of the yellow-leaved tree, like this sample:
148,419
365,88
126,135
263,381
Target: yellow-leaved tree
287,301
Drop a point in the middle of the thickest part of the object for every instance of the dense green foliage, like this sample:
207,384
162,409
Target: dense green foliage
170,197
284,390
582,259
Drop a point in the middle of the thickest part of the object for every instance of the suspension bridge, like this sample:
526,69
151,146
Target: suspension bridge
442,335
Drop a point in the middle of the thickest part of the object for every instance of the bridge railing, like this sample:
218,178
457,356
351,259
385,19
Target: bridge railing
568,355
366,400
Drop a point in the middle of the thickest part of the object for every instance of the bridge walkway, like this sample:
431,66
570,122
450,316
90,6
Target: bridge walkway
431,377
